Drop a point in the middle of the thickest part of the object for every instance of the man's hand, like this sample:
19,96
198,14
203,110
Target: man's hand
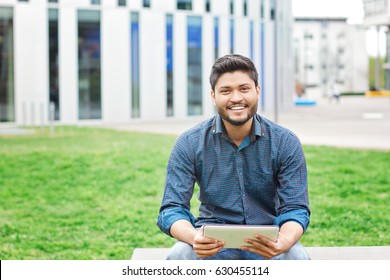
267,248
206,247
289,234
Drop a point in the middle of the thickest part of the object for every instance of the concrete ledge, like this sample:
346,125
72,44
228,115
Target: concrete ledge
316,253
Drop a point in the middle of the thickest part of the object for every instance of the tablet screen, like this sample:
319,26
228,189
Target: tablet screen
234,235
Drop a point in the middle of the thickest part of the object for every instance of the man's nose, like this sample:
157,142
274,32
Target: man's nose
236,96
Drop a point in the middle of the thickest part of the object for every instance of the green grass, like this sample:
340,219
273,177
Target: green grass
91,193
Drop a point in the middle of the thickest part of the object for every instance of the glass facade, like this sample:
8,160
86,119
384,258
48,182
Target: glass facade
169,38
89,64
54,96
194,60
7,95
135,66
216,38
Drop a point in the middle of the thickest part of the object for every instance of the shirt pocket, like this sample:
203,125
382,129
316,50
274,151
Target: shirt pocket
262,185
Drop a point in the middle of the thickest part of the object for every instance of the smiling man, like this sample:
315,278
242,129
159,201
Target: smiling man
250,171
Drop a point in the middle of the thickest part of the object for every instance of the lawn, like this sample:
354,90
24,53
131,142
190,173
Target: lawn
89,193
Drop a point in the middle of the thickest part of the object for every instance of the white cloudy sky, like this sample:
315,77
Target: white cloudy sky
328,8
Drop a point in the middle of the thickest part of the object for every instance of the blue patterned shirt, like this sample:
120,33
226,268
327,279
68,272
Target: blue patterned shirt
261,182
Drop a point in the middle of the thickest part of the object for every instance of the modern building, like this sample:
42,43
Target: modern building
330,56
377,15
123,60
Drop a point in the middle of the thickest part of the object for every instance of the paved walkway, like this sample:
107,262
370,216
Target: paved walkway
357,122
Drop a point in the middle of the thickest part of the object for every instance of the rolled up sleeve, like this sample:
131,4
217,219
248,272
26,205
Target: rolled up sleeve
169,216
292,193
179,187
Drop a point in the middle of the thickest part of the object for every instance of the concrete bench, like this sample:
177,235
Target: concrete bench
316,253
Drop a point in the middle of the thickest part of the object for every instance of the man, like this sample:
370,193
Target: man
249,171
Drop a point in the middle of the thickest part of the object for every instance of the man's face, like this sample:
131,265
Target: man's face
236,97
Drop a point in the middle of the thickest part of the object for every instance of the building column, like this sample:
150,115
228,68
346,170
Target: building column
387,63
378,61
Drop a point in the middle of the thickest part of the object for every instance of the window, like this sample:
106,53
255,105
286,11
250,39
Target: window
251,38
53,1
308,36
135,80
194,60
272,9
232,7
231,35
207,7
23,0
53,62
169,41
245,8
262,64
7,95
122,3
216,38
147,3
184,4
89,64
262,9
95,2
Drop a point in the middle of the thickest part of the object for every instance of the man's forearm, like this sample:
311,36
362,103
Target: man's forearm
292,231
184,231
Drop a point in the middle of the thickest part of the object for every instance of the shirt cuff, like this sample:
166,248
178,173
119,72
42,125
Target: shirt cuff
300,216
169,216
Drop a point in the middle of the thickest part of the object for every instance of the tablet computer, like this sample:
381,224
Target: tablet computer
234,235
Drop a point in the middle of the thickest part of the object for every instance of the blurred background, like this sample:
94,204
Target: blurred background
114,61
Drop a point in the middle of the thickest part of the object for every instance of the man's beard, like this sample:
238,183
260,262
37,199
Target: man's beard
241,122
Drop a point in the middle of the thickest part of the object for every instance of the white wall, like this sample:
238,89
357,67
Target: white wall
68,61
31,64
115,65
152,66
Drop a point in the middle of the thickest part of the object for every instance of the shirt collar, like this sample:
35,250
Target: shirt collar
258,128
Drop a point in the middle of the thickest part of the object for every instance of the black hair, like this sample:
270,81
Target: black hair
231,63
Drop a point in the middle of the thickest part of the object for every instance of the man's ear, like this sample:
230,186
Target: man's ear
258,91
212,94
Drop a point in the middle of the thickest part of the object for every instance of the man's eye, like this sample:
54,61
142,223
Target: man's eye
225,91
245,89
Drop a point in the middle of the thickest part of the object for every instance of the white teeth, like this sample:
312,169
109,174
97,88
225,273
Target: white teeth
237,108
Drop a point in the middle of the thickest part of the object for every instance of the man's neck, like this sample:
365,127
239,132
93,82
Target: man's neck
238,133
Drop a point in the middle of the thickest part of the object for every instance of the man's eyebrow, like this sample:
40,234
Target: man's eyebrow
245,84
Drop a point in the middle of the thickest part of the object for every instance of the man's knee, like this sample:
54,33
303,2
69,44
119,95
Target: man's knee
182,251
296,252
